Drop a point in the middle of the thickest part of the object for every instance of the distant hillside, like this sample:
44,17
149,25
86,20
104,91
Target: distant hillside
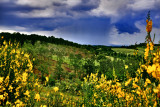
136,45
33,38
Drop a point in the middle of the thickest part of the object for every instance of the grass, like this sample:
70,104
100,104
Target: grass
129,51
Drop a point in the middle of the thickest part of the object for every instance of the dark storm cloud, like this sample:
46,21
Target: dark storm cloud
86,5
126,27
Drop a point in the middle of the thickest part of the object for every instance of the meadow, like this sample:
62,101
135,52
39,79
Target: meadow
129,51
44,74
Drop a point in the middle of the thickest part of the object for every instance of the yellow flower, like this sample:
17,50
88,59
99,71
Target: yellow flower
1,79
131,98
109,105
35,84
155,90
47,79
97,86
151,46
1,97
4,43
155,104
17,101
43,106
18,51
146,52
136,79
55,89
2,37
151,69
26,55
149,26
48,94
135,85
37,97
5,94
8,103
118,84
154,74
95,95
6,80
158,86
126,66
148,81
147,20
27,93
127,82
138,92
16,94
140,104
24,77
62,94
10,88
127,97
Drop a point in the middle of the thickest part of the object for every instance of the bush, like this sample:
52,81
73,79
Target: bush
15,71
89,66
72,75
51,81
106,67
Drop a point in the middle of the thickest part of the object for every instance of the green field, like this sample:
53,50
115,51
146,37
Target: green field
129,51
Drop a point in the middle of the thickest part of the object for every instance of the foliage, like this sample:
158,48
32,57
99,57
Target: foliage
15,74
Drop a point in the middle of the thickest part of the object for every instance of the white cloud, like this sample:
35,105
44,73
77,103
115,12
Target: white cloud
115,9
49,9
46,3
109,7
43,13
13,28
72,3
35,3
36,13
142,4
128,39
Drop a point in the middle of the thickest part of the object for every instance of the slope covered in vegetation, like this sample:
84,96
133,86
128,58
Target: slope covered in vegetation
45,71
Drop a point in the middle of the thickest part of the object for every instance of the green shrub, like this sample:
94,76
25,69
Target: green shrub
51,81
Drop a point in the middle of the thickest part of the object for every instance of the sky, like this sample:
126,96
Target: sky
94,22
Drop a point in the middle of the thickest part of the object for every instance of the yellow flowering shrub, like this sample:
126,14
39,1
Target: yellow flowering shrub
149,25
15,70
19,86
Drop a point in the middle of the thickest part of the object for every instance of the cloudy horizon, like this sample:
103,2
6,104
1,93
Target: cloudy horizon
95,22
